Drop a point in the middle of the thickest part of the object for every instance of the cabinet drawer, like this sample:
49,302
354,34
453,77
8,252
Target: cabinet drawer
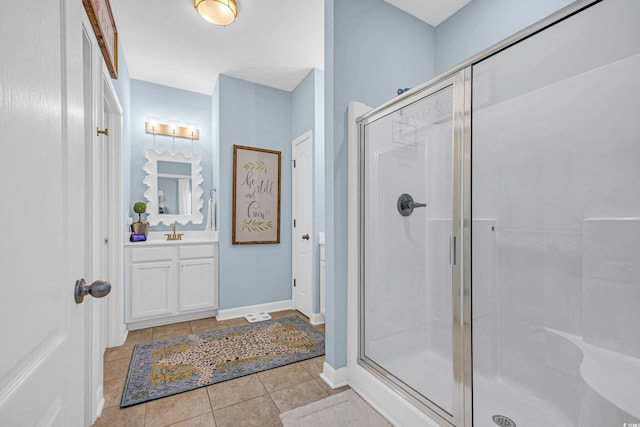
151,254
197,251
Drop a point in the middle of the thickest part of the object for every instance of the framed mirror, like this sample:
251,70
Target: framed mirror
174,188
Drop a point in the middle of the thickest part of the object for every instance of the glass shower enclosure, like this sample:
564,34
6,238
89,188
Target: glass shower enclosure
503,198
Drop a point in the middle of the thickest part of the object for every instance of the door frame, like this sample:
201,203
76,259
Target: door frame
114,122
294,231
104,317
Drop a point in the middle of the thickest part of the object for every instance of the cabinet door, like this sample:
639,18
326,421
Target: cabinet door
197,284
151,287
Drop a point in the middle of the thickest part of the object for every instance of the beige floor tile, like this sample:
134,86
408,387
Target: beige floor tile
204,420
139,336
257,412
238,321
206,325
234,391
121,352
331,391
286,313
116,369
130,417
175,330
173,409
298,395
240,402
113,392
283,377
313,366
320,328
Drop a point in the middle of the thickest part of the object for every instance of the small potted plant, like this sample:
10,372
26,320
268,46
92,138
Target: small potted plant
140,227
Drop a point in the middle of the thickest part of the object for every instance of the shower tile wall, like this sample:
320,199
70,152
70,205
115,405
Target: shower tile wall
611,315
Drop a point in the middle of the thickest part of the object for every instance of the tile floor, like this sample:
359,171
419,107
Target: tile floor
254,400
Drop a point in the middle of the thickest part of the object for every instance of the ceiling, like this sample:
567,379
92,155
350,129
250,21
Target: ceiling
272,42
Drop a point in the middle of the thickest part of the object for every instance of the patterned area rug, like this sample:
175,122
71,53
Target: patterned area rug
164,368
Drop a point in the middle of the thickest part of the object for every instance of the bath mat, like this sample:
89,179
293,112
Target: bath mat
345,409
164,368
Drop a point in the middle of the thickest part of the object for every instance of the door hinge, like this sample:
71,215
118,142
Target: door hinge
294,283
294,163
294,222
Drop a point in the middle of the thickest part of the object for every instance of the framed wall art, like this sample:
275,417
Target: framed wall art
104,27
256,195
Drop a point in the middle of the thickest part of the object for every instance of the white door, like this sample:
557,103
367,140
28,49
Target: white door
302,234
43,215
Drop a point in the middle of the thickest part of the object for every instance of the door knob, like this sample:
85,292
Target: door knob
305,236
97,289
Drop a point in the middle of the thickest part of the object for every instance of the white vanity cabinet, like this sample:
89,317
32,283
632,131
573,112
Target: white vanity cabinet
170,282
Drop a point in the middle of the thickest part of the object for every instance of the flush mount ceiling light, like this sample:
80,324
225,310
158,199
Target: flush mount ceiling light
219,12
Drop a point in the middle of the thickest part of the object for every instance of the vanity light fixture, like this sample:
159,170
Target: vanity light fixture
218,12
192,128
172,128
152,124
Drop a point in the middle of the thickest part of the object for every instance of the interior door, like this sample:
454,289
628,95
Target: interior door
43,216
302,235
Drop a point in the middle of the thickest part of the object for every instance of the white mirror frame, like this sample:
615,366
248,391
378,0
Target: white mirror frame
151,194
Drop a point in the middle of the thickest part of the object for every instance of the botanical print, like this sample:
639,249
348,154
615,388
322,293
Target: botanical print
256,196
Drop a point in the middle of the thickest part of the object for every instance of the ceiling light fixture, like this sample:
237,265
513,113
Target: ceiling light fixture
219,12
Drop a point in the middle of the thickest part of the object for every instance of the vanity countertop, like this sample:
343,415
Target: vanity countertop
156,238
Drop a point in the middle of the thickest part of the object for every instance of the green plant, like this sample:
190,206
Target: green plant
139,208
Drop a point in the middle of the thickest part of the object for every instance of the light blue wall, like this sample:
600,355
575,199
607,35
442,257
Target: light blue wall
371,50
256,116
483,23
215,148
167,103
122,86
307,114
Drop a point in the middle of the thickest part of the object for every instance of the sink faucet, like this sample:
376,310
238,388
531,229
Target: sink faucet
174,236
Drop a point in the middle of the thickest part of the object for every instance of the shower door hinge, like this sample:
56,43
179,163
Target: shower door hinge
294,163
294,222
294,283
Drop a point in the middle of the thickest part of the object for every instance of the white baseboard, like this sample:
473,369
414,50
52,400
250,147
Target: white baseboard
316,319
125,334
100,406
232,313
142,324
335,377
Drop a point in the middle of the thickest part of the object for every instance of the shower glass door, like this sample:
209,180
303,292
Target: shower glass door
406,287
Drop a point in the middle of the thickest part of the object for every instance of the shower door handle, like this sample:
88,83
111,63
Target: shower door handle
452,250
